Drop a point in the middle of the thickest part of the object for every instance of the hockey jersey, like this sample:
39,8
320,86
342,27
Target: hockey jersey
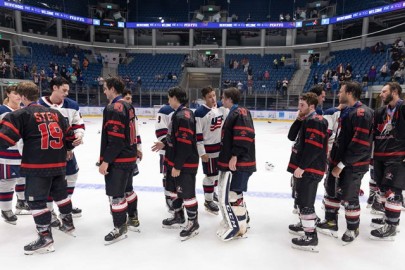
311,144
11,155
238,139
353,144
389,143
46,139
209,123
119,135
332,116
181,142
69,109
163,120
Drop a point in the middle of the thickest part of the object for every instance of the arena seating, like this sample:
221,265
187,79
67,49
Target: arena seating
361,61
148,67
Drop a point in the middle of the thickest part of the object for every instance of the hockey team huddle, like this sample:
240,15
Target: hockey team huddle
38,163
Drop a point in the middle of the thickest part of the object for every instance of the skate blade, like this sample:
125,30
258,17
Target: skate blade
134,229
306,248
328,233
70,233
389,238
296,233
190,236
368,206
377,226
122,237
216,213
77,215
295,211
44,250
11,222
346,243
177,226
22,212
375,212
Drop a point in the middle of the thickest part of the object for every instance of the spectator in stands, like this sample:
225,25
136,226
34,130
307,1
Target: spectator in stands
349,67
394,67
340,70
85,63
378,47
250,71
287,17
398,76
275,63
240,86
266,75
316,79
278,87
174,76
348,75
328,86
75,61
285,86
384,70
364,80
63,71
372,74
250,87
282,61
73,78
139,82
170,76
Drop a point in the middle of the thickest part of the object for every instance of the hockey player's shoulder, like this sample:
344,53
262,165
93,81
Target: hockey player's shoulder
201,111
166,109
70,104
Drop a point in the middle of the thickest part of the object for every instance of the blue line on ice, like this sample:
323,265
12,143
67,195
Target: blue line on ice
272,195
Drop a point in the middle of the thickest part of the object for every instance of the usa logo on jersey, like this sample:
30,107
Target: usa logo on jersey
216,123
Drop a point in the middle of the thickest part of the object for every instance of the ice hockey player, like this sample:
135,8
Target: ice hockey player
181,160
69,108
10,160
163,119
307,164
389,159
46,139
349,161
118,155
236,163
209,118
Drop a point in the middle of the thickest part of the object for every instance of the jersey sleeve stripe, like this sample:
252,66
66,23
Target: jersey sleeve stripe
11,126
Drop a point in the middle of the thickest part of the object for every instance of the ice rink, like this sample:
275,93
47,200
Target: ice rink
267,246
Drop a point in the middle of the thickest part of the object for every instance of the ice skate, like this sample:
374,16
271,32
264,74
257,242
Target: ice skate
328,227
66,225
349,236
296,229
371,199
211,207
9,217
377,208
176,221
385,233
377,223
44,244
117,234
55,222
307,242
190,230
133,223
76,212
22,208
